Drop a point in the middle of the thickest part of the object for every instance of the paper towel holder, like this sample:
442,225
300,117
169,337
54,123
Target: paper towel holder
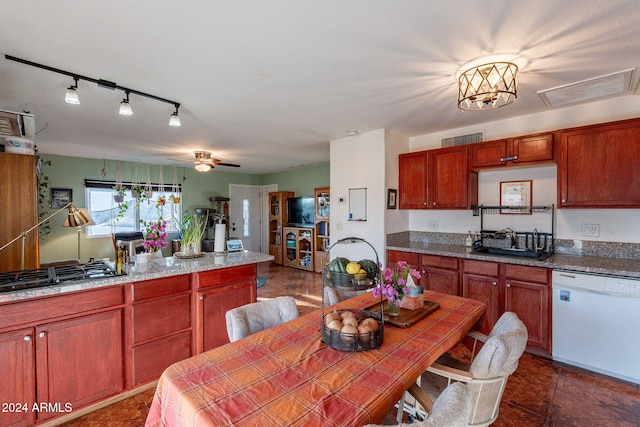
234,245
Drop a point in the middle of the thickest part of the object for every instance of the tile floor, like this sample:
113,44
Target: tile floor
540,393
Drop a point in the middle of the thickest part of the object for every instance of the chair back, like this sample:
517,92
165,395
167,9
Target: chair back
452,408
333,296
258,316
492,366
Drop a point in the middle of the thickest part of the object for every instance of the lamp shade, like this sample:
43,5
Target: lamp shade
78,217
71,97
203,167
174,120
125,108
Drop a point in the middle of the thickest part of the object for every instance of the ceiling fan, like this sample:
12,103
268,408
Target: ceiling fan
204,162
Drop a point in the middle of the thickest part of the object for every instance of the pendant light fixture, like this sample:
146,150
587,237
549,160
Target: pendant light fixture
71,97
125,108
174,120
488,86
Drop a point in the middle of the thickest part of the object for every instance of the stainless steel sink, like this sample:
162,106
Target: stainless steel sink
526,253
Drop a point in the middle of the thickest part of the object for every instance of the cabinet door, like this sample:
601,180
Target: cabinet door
485,289
18,178
488,154
412,186
413,259
451,183
17,371
532,149
440,280
213,305
79,361
530,301
598,166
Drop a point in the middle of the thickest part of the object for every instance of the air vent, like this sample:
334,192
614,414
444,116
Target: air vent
471,138
17,124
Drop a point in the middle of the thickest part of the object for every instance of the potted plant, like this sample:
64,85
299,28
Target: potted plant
155,235
118,197
191,233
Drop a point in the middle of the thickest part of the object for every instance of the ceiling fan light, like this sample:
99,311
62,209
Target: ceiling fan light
71,97
203,167
125,108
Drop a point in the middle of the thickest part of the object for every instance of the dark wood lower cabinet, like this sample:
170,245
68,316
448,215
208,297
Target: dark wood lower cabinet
17,378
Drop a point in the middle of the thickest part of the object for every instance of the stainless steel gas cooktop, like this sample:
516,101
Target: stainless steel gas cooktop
40,277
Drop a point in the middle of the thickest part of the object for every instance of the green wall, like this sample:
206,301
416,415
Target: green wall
301,181
70,172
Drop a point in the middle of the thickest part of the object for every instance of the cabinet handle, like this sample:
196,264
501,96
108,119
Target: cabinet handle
494,283
27,338
434,203
506,159
424,204
42,334
201,297
563,201
508,285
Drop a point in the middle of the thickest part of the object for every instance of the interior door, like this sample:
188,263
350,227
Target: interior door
244,215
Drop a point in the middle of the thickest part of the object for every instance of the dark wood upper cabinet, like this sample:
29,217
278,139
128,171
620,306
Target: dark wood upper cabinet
531,149
599,166
437,179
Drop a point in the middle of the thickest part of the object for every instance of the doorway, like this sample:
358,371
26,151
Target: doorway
247,215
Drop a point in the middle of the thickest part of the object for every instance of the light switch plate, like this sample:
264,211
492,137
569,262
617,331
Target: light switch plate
591,230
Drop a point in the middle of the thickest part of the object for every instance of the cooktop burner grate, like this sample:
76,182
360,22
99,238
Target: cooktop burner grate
39,277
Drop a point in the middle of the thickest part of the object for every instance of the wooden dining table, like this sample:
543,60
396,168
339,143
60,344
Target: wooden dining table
286,375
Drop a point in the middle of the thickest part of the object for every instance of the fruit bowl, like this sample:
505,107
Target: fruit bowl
354,341
347,281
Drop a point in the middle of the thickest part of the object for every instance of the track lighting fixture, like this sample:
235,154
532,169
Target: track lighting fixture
174,120
125,109
71,97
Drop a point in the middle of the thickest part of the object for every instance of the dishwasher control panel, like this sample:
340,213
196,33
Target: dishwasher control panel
623,286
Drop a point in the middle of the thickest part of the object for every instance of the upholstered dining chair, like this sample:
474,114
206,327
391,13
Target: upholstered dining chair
333,296
258,316
451,409
488,372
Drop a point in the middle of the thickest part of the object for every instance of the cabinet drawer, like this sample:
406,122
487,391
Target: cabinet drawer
448,263
411,258
483,268
40,309
152,358
160,317
160,287
527,274
226,275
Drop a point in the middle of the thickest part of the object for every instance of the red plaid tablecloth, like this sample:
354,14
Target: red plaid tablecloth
286,376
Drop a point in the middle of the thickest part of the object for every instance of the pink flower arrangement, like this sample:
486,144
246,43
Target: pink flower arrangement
155,235
393,283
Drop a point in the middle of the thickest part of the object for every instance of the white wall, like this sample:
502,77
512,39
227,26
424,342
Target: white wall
358,162
616,225
396,220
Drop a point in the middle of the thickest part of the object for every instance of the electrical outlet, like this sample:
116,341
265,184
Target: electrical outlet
591,230
432,225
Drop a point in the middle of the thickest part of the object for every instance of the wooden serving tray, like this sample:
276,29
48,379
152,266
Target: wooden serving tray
406,317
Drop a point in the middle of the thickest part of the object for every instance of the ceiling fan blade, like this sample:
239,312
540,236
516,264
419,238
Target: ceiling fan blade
233,165
182,160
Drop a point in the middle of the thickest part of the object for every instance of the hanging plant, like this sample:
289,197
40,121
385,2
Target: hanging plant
44,193
148,189
118,197
175,198
162,199
136,188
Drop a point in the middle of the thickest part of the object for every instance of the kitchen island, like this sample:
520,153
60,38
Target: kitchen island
77,344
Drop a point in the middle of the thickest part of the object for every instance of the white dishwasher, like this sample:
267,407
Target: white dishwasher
596,323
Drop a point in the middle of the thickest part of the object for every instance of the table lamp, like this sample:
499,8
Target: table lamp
75,217
84,214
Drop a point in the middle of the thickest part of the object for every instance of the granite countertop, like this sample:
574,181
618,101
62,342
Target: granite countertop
154,269
587,264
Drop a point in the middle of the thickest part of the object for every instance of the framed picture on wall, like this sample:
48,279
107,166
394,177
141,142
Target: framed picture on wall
517,194
392,199
60,197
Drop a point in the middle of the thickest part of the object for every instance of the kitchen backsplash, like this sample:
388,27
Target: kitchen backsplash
562,246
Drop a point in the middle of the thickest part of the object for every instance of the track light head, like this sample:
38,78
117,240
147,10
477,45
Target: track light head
71,97
174,120
125,108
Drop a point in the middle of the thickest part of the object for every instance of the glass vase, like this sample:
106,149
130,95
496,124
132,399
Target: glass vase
392,309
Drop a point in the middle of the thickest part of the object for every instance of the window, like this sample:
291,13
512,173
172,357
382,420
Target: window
104,211
245,218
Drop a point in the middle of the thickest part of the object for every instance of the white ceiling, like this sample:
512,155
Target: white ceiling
267,84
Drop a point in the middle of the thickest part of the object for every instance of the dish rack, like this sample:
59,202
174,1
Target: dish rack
352,282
